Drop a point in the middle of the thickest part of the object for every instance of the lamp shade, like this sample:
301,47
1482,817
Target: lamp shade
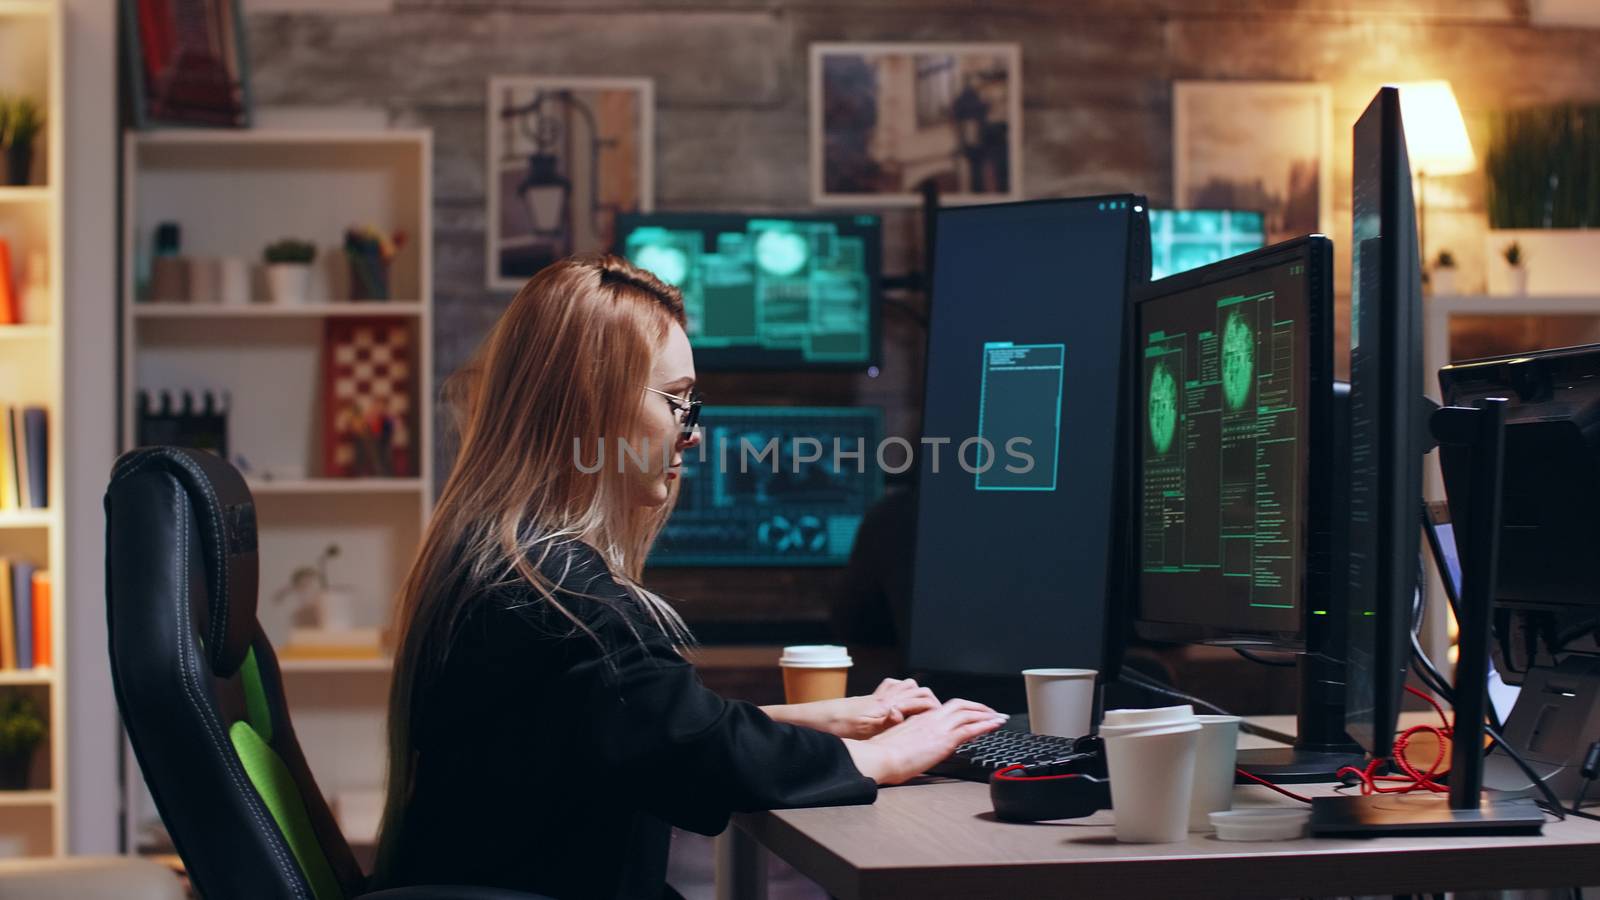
1436,137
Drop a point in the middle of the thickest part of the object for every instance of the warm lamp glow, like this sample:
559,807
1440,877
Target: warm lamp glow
1436,137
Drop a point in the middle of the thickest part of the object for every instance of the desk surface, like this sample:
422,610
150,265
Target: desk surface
941,839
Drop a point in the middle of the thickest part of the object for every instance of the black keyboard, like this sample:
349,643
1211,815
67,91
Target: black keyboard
986,754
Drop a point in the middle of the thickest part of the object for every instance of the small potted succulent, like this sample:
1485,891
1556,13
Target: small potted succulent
1518,271
21,731
289,269
1444,273
22,124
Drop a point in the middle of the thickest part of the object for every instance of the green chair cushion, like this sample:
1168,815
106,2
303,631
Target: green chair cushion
281,794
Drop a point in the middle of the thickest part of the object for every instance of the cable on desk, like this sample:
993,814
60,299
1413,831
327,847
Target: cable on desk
1257,658
1140,680
1262,781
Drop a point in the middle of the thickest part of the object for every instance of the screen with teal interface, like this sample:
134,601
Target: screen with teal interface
774,486
1223,428
1184,239
765,292
1019,415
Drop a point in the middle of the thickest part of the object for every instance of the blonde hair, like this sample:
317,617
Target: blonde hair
562,369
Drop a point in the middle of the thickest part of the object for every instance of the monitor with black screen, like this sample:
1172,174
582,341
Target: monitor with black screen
1235,495
1386,430
1547,602
773,486
1014,544
1184,239
767,291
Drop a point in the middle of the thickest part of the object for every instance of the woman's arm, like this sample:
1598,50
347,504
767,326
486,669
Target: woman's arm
859,717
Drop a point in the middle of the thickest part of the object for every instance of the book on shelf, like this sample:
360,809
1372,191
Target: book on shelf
25,635
24,457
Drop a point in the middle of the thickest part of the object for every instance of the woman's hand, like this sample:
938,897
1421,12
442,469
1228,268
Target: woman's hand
916,745
860,718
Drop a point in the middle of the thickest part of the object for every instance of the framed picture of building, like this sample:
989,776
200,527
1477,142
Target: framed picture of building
565,156
886,119
1260,145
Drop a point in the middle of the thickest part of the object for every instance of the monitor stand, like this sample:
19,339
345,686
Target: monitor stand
1466,809
1321,747
1556,716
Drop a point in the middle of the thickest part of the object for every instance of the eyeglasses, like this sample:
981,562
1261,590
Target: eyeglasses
687,411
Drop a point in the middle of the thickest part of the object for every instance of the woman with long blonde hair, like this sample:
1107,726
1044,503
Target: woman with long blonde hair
544,731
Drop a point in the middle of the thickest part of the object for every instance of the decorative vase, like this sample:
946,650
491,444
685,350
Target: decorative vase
19,163
234,286
14,768
169,280
1444,281
1518,280
1555,261
369,277
289,282
36,290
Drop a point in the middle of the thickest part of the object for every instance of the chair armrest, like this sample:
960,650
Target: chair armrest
450,892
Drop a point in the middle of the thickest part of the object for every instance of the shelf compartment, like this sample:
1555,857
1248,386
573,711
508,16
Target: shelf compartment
44,677
27,518
337,486
204,311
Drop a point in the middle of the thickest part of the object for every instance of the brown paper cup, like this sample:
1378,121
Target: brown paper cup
814,672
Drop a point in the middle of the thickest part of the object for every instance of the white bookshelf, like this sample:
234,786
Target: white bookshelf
32,371
232,193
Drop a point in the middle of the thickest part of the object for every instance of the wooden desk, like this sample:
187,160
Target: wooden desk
941,840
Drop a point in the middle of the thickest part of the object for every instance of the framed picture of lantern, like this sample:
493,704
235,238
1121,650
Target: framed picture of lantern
888,119
565,157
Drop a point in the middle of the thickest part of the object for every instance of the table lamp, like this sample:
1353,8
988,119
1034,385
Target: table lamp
1436,142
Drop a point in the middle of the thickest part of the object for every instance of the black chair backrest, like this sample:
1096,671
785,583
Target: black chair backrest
192,672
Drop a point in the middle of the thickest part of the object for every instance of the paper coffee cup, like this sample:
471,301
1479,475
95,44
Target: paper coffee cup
1060,701
1215,759
814,672
1150,755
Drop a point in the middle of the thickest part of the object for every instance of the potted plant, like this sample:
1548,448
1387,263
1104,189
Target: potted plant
22,124
1444,273
21,731
1519,273
289,269
1540,193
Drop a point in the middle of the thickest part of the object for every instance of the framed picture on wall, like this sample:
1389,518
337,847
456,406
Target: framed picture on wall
187,63
888,118
1259,145
565,156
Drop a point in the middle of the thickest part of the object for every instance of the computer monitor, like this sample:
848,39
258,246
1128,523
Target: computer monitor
1235,450
767,291
1386,427
1547,602
1184,239
774,486
1014,545
1235,499
1551,477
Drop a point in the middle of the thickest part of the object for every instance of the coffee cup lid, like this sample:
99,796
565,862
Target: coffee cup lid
815,656
1060,673
1149,718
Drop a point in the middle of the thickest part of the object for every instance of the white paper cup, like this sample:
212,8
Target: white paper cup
1214,761
1152,778
1060,701
814,672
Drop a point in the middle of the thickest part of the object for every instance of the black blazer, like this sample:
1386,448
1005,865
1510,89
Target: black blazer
552,761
